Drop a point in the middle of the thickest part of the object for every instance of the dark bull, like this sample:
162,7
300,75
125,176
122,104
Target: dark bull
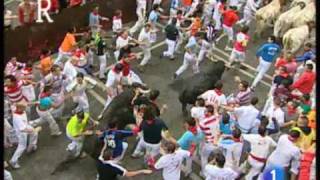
194,86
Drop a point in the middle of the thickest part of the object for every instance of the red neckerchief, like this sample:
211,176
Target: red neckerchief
17,112
307,102
285,75
95,13
218,92
27,70
291,110
193,129
43,95
236,139
14,87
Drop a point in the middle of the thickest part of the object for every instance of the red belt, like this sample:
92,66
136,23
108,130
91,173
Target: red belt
258,159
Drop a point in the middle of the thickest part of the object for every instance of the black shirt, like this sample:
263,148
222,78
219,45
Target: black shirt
171,32
152,132
108,170
101,46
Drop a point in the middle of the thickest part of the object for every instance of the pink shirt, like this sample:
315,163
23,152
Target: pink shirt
241,42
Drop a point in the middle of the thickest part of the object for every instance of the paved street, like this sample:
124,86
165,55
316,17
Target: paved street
158,75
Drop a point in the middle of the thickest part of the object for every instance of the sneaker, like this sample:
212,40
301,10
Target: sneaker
100,116
56,134
15,165
136,155
83,155
171,59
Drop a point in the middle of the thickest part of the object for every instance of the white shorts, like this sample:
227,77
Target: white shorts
237,55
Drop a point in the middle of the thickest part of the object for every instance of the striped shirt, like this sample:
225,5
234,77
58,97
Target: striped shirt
14,93
55,82
11,69
211,32
243,97
210,127
26,75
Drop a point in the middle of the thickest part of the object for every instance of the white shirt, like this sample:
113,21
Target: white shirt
189,57
246,116
234,3
252,6
285,153
276,113
20,122
171,164
113,79
198,112
120,43
145,38
79,89
7,22
69,70
260,146
116,24
205,45
211,97
212,172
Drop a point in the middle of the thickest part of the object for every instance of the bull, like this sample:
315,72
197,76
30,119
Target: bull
190,88
119,108
296,2
267,15
285,20
306,15
296,37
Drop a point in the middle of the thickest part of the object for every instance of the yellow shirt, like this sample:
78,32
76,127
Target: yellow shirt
305,141
74,127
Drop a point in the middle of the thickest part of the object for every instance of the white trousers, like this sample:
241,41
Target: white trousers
185,65
46,116
22,144
229,31
247,17
58,99
146,56
139,23
179,41
205,151
255,168
82,101
10,135
61,56
28,92
217,20
90,57
7,175
103,65
201,55
262,68
152,150
76,145
171,47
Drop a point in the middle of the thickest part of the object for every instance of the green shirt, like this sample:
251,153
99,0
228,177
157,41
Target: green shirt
74,127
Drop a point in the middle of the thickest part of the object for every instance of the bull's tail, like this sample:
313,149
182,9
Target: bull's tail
64,165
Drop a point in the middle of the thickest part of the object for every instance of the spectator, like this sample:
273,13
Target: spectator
8,17
46,62
286,154
27,12
117,21
246,115
77,129
227,125
215,96
215,169
13,66
308,54
114,139
94,20
108,170
305,83
24,132
243,95
152,128
171,161
198,111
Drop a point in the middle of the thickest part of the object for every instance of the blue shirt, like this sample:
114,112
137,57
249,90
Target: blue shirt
226,128
309,55
114,140
188,138
269,51
154,16
93,20
175,4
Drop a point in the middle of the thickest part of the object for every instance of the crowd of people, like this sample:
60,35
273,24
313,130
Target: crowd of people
228,133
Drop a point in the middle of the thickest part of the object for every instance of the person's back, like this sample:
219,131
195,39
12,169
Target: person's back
152,131
171,32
